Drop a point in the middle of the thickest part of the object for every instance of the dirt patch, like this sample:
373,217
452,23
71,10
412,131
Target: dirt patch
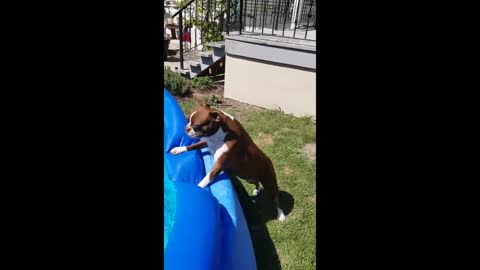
287,171
264,139
313,199
239,109
236,108
310,151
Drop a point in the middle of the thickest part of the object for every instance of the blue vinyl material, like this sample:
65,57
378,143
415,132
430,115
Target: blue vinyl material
187,167
209,230
169,206
195,241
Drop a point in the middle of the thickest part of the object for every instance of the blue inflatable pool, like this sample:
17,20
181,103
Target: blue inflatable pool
205,229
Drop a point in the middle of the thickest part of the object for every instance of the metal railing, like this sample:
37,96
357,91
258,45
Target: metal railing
201,15
286,18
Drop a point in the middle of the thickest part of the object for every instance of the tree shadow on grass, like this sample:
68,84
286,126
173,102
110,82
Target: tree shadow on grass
258,211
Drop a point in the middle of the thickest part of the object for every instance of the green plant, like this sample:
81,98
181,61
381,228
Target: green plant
181,3
207,24
205,21
176,84
212,100
202,83
205,100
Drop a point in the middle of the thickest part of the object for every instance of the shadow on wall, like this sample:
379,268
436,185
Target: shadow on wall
258,211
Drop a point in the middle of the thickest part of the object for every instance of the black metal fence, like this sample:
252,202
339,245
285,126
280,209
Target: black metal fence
286,18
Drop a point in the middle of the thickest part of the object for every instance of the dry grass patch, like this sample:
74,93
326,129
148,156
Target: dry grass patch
313,199
263,139
310,151
287,171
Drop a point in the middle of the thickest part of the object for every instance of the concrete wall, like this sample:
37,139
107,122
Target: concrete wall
270,84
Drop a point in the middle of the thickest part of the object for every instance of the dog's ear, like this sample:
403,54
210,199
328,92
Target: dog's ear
205,105
215,116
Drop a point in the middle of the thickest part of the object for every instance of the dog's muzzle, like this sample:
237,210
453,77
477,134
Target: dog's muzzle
191,132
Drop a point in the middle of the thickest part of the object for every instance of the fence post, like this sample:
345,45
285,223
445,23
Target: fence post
297,15
180,25
297,10
228,17
241,16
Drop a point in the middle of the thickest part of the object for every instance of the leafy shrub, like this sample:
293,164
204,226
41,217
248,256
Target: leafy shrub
212,101
180,4
176,84
202,83
211,30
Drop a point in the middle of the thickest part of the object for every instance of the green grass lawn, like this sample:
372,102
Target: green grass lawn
291,244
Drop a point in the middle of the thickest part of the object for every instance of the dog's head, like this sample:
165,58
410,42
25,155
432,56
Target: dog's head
203,122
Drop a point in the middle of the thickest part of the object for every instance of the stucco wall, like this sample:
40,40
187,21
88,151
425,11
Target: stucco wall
270,85
271,72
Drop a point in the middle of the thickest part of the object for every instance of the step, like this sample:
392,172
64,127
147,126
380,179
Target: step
219,45
193,74
218,51
218,56
206,54
195,63
207,59
185,73
204,67
195,67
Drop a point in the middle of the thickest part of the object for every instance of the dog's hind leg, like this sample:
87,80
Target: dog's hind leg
257,186
276,199
270,183
257,189
273,188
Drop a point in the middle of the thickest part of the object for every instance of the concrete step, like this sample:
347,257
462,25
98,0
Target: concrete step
194,63
207,59
185,73
218,50
220,45
206,54
218,56
205,66
195,67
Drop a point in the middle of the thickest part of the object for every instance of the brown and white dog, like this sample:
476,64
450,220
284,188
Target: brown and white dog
233,151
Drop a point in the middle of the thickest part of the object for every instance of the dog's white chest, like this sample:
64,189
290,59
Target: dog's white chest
216,144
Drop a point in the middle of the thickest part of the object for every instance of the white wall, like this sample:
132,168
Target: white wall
271,86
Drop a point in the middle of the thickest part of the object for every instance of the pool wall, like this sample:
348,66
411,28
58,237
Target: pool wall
209,230
169,206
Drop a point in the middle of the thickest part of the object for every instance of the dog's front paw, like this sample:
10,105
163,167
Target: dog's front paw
205,181
178,150
280,215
